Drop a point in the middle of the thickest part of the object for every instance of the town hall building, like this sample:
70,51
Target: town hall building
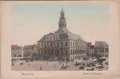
62,44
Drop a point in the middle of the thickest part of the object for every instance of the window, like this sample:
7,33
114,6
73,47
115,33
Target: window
52,38
44,45
75,51
57,36
71,43
106,49
58,44
97,49
50,44
41,44
66,44
45,52
71,51
101,49
53,44
61,43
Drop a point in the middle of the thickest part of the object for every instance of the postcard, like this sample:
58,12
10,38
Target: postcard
60,39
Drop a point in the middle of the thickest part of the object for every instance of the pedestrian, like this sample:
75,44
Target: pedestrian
40,68
28,62
12,63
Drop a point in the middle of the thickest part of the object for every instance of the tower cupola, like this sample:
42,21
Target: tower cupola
62,21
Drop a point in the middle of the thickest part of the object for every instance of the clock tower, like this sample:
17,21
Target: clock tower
62,21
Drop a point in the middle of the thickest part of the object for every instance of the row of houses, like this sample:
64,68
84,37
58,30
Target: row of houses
100,48
21,52
33,51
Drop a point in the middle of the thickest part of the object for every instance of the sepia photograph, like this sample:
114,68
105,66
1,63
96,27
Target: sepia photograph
60,48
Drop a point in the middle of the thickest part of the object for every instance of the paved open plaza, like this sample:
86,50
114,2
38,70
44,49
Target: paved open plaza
39,65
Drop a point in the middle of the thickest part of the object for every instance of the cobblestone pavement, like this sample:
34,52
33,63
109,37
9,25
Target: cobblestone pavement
39,65
21,65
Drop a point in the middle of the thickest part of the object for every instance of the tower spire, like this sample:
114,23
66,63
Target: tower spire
62,13
62,21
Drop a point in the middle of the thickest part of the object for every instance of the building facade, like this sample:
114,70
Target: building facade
30,51
101,48
16,52
90,49
62,44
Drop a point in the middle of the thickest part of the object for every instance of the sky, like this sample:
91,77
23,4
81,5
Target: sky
30,22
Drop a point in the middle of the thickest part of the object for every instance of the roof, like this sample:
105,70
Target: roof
63,34
74,36
30,46
15,47
88,44
100,44
92,47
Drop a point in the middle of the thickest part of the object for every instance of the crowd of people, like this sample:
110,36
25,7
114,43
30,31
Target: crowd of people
92,63
87,63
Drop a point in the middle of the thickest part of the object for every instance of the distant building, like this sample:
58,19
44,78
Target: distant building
16,51
62,44
88,44
30,51
90,49
101,48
